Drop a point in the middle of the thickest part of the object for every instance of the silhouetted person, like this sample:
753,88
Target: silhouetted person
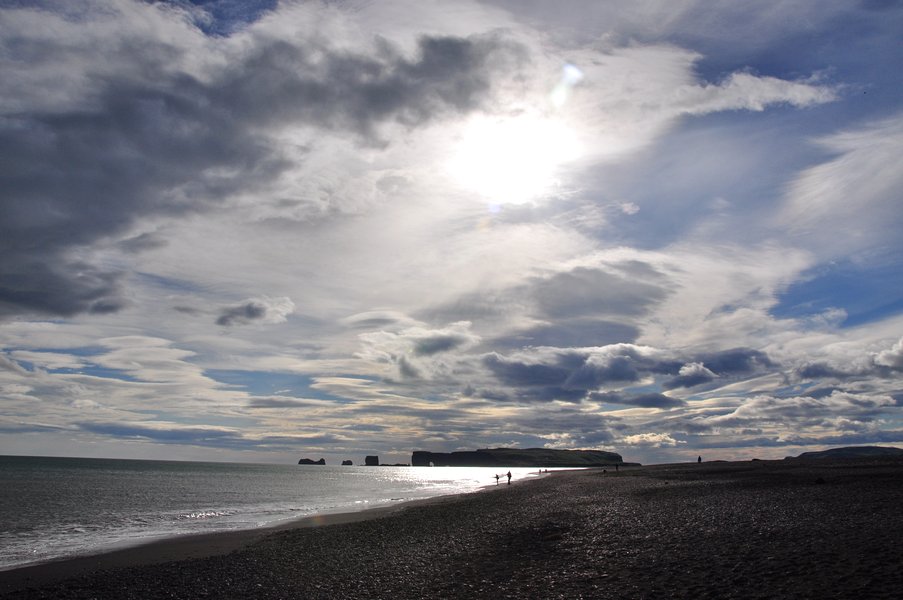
509,477
496,479
698,459
616,468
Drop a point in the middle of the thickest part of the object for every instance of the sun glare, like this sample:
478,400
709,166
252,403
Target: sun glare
512,160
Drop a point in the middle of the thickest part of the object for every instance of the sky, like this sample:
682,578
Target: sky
244,231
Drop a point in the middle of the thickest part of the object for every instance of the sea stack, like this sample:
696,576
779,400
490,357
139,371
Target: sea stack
371,461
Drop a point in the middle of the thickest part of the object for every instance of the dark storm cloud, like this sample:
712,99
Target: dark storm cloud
520,374
725,364
569,374
434,344
284,81
687,381
572,332
738,361
155,140
241,314
651,400
822,370
689,376
594,292
51,285
268,310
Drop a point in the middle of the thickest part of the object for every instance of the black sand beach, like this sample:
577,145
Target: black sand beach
760,529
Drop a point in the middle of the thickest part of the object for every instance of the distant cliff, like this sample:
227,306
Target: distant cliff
308,461
853,452
517,457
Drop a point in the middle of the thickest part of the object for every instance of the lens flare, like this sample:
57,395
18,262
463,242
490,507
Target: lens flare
570,76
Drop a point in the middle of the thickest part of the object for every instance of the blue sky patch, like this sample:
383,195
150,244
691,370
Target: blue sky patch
225,17
867,293
263,383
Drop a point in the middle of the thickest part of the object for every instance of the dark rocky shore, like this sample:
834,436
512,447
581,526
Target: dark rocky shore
761,529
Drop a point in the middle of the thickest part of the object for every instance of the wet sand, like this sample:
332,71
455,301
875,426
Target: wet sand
760,529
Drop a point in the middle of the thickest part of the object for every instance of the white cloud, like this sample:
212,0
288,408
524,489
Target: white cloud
655,440
856,192
892,358
49,360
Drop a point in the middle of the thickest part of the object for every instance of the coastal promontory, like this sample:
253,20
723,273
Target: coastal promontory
517,457
310,461
852,452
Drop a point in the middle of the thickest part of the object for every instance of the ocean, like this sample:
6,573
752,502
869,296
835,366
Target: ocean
53,508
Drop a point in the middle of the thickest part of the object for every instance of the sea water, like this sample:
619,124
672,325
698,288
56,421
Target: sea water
52,508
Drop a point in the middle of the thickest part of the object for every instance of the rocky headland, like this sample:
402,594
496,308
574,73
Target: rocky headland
517,457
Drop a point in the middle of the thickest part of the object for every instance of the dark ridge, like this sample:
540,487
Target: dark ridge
517,457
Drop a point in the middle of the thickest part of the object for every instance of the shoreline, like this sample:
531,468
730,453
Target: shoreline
749,529
202,545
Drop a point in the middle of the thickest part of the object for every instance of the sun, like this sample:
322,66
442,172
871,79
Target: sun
512,160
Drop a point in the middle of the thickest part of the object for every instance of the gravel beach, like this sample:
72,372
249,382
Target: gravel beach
758,529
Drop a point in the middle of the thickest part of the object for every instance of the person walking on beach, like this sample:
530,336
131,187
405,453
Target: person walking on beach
496,479
509,477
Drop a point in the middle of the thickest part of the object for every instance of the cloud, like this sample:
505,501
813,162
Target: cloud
806,411
9,364
418,352
150,118
546,373
691,374
285,402
651,400
379,319
594,292
262,310
49,360
570,373
201,436
892,358
744,91
655,440
142,242
842,366
820,202
663,76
